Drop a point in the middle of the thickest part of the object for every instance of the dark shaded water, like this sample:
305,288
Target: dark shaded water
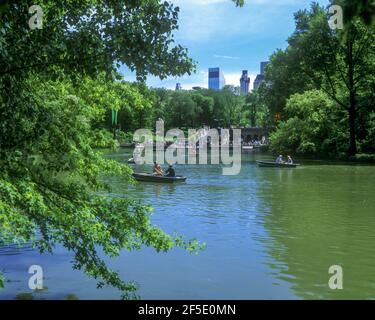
270,234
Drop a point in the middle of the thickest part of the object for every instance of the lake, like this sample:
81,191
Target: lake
270,233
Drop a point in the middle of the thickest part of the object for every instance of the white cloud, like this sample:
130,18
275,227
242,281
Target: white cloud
194,3
225,57
204,20
233,79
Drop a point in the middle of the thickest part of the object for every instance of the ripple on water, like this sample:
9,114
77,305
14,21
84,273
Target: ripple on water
270,233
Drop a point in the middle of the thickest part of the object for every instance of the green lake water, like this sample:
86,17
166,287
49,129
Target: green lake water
271,234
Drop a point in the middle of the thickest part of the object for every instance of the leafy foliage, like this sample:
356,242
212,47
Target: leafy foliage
365,9
57,85
310,128
339,63
47,189
93,36
255,110
203,107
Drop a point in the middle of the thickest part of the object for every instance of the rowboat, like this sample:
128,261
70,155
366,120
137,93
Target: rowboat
153,178
262,163
247,147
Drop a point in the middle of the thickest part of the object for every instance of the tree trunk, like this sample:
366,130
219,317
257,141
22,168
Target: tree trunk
253,119
352,98
352,129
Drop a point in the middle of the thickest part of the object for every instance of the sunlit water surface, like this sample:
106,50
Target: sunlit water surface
270,234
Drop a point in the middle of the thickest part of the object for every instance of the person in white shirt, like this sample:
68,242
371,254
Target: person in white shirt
279,159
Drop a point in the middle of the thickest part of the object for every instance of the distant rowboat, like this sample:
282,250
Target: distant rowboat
270,164
248,147
148,177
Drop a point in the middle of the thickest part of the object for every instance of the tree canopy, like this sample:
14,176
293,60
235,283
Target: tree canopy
57,84
339,63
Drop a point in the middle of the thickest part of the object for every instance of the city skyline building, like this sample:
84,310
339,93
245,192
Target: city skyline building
244,82
260,77
216,79
178,86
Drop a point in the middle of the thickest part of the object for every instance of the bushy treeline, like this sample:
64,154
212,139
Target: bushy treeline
195,108
140,107
320,90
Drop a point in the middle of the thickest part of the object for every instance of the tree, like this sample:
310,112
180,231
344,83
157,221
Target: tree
181,111
162,98
133,102
233,105
204,109
50,174
252,107
336,62
364,9
311,127
282,79
227,106
255,112
92,36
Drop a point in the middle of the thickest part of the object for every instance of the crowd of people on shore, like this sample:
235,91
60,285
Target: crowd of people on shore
255,142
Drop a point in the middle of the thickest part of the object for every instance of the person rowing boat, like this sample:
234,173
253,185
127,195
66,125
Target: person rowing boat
279,159
158,171
170,172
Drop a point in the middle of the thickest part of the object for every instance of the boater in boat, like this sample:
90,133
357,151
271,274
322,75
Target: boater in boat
158,171
279,159
170,172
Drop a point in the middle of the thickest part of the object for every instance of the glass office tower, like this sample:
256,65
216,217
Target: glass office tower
216,80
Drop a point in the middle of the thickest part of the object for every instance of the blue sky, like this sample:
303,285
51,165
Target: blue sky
218,34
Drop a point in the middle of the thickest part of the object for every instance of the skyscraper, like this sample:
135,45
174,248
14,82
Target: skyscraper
260,77
216,80
178,86
258,81
244,82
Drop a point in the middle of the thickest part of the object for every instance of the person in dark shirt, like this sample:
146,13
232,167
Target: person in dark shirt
170,172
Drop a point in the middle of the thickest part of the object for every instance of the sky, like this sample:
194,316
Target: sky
219,34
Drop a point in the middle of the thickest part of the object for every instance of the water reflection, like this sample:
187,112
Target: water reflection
13,249
270,233
318,216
